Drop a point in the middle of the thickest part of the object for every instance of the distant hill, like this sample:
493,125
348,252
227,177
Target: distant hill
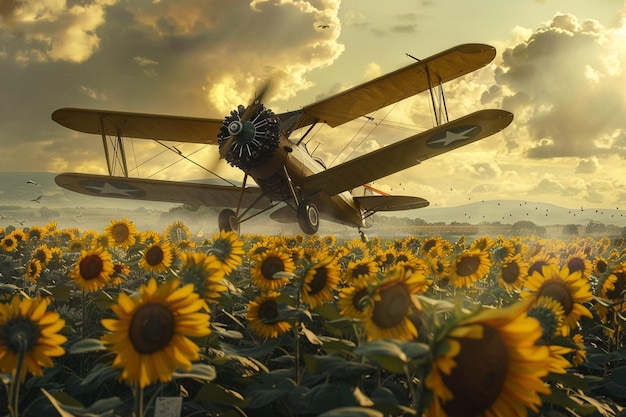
511,211
35,197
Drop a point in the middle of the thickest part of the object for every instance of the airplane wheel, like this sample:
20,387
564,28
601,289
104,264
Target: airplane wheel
308,217
227,220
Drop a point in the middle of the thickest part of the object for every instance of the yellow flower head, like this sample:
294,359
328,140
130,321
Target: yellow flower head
26,325
205,272
267,265
151,337
509,377
469,267
264,316
320,281
157,257
121,233
228,249
92,269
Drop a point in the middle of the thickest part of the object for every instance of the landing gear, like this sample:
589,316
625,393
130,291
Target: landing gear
308,217
227,221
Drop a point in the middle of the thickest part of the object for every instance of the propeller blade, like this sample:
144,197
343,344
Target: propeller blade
250,111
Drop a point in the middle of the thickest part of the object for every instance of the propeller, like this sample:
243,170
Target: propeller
238,127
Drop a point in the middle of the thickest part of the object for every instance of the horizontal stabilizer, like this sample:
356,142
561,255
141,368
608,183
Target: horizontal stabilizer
374,203
196,193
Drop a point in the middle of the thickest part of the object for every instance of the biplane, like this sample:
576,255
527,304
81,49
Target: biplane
289,181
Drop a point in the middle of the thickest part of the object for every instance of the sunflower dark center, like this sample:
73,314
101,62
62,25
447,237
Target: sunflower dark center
154,255
91,267
151,328
318,283
620,284
576,264
428,245
484,363
8,242
40,256
536,266
392,307
268,311
360,269
601,266
558,292
510,272
20,333
467,265
271,266
120,233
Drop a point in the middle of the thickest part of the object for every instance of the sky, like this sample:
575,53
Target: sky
560,69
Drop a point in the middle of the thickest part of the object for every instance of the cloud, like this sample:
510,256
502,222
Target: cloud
566,86
587,165
188,57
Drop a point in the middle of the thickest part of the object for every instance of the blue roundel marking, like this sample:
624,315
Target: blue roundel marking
452,135
112,188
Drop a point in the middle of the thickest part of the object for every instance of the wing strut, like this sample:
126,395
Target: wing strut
118,151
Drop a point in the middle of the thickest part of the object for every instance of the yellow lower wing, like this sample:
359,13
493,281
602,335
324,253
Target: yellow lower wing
195,193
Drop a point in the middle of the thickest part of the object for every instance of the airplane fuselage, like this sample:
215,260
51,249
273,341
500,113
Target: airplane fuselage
292,163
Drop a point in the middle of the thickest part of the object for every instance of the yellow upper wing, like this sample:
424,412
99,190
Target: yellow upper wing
140,125
407,152
398,85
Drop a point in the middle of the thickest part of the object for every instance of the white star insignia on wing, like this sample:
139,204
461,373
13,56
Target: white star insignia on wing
110,189
452,137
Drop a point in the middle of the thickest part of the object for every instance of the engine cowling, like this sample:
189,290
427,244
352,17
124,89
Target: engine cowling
249,142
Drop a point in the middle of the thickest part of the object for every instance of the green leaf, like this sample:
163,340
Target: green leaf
198,371
261,395
352,412
86,345
60,292
381,348
56,404
216,394
99,374
254,352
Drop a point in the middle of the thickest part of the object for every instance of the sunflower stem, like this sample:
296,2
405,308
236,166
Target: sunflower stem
297,352
139,401
14,392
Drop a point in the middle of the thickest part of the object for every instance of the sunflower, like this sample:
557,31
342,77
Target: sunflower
513,273
20,235
320,280
92,269
361,271
32,269
43,254
611,289
268,265
26,325
205,272
9,243
177,232
157,257
509,377
121,233
77,245
538,261
264,316
151,338
469,267
35,233
549,313
386,316
56,258
353,301
569,289
578,262
228,249
482,243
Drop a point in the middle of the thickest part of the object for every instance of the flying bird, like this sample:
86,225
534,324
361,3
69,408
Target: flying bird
323,26
37,199
31,182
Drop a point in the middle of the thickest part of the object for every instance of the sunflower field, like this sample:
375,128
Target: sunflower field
122,322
